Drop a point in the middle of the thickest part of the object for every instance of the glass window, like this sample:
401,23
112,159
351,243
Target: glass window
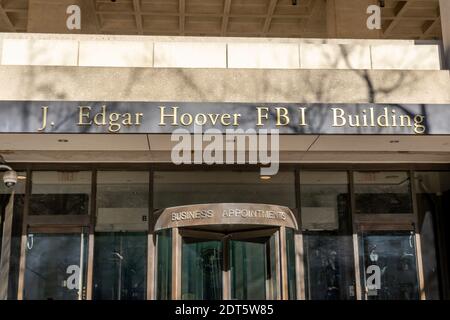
195,187
11,217
164,265
201,269
122,201
324,200
253,269
433,204
329,267
120,266
55,266
325,210
290,253
60,193
389,266
378,192
120,259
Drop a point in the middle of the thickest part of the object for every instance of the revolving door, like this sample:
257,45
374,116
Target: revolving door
215,258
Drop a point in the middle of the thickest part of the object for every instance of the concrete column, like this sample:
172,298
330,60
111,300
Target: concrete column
445,21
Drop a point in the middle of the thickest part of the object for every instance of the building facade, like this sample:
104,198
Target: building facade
359,207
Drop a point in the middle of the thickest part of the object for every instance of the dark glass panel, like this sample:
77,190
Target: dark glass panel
201,269
164,265
55,267
389,266
253,269
120,266
194,187
60,193
329,267
290,254
324,200
383,192
433,204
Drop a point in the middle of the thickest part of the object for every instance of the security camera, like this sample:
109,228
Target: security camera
9,177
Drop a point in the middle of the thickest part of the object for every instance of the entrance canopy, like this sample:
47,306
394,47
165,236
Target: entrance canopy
226,214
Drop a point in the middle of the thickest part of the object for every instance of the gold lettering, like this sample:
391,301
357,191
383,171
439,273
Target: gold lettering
223,119
201,121
84,112
44,118
337,116
418,126
173,115
236,116
183,119
262,115
282,113
302,117
139,117
127,121
382,120
404,117
102,115
113,125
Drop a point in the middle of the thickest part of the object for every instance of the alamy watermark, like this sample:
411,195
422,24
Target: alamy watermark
234,146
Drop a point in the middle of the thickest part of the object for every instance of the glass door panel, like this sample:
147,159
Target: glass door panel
201,269
120,266
164,265
329,267
55,266
390,267
254,268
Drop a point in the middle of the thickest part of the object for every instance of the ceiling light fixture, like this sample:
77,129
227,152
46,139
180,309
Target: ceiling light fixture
265,177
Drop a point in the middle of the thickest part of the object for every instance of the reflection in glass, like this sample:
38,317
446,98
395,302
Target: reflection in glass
387,192
389,262
253,269
10,236
194,187
201,269
120,260
122,201
55,266
290,255
120,266
329,263
324,200
329,267
164,265
433,204
60,193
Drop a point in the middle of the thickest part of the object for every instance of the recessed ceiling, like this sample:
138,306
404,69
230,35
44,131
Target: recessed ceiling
407,19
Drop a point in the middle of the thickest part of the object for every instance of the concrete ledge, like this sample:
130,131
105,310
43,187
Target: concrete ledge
189,55
334,56
263,55
418,57
227,85
116,53
39,52
206,52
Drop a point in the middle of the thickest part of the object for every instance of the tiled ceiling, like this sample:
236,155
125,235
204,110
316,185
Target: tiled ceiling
406,19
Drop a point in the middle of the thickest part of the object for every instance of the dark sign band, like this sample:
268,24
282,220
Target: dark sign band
165,117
